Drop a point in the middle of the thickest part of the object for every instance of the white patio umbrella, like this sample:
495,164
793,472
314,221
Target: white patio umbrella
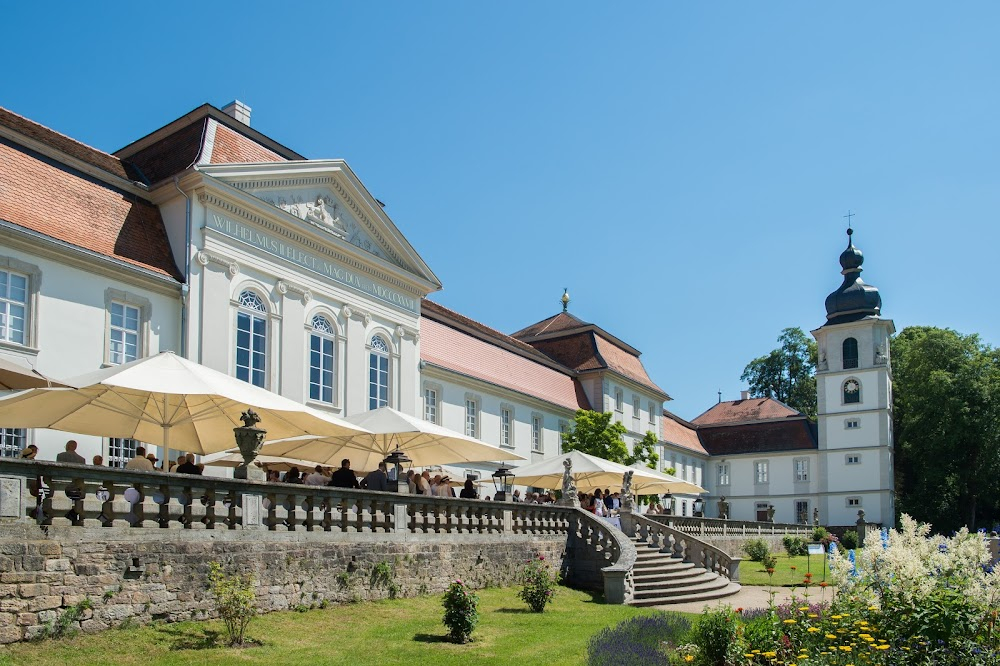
234,458
168,401
425,443
15,375
591,472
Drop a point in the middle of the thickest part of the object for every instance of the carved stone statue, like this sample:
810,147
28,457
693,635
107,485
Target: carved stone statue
815,517
318,213
723,508
627,498
770,513
569,492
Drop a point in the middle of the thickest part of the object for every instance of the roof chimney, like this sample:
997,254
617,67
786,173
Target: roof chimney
238,110
744,395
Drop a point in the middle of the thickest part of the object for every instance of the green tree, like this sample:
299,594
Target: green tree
787,373
600,435
946,420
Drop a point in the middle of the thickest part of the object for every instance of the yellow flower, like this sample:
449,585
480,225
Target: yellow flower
812,630
789,621
803,608
830,636
748,655
845,648
886,647
813,615
688,659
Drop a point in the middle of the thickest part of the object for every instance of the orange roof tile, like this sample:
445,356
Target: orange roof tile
680,433
466,354
741,411
232,147
52,199
560,322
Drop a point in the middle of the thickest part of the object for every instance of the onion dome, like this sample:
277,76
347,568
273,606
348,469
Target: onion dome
854,299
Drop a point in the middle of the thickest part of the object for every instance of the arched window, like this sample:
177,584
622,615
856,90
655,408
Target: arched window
321,360
378,373
251,339
852,391
850,353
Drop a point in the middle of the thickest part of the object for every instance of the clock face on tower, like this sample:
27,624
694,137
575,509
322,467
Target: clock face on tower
851,386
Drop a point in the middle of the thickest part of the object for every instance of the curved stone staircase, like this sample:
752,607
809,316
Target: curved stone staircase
660,578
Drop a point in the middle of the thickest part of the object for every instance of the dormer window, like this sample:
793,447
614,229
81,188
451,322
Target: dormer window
850,353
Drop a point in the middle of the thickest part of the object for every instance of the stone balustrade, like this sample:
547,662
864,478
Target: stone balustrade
681,544
65,496
719,527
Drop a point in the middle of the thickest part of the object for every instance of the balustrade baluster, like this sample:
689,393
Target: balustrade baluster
208,501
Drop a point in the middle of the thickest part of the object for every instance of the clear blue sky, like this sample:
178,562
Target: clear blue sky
682,167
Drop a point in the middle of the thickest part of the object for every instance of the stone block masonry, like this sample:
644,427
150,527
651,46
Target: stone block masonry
146,575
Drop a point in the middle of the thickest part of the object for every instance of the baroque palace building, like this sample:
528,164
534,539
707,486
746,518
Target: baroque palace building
212,240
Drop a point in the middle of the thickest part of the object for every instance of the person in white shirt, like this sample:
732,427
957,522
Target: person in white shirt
317,478
443,488
140,462
424,483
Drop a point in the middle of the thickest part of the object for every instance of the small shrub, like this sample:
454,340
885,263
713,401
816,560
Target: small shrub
794,546
716,636
639,641
343,579
819,533
849,540
756,549
769,562
235,601
63,625
539,584
384,575
461,611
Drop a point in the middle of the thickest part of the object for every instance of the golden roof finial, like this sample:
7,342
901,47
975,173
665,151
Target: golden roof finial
565,299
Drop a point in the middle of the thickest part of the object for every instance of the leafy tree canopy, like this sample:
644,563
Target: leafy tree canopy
600,435
787,373
946,421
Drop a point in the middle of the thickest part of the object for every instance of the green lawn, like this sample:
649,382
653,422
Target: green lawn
753,573
402,631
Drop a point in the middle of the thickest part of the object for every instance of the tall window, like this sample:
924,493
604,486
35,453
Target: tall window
652,414
723,474
760,472
12,442
802,512
536,433
619,400
13,307
378,373
801,469
636,408
321,359
120,451
563,430
852,391
123,337
505,438
471,418
850,353
430,405
251,340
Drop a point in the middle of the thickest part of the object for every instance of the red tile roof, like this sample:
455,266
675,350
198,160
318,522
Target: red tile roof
560,322
680,433
467,354
741,411
232,147
47,197
441,313
792,435
64,144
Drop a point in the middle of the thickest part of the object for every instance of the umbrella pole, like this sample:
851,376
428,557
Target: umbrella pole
166,448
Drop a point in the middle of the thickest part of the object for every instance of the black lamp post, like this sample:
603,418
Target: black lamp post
397,459
503,479
668,507
699,508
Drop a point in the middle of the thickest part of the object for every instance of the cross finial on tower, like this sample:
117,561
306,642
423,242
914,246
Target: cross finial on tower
849,216
720,396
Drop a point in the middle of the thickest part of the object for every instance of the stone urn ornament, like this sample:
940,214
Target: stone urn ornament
628,501
249,439
569,493
723,508
770,513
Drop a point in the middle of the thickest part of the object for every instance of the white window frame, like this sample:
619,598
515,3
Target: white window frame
722,474
473,405
852,502
537,432
636,407
803,518
432,403
377,358
563,429
8,304
252,314
800,470
129,300
119,450
507,426
760,472
118,349
34,274
856,459
619,400
852,424
652,413
325,334
12,442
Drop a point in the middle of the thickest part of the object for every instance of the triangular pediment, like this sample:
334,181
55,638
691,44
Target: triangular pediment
328,198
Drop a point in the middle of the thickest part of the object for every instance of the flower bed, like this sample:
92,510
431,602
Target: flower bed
908,599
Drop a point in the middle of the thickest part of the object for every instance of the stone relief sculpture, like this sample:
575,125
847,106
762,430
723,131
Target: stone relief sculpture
569,493
317,212
627,498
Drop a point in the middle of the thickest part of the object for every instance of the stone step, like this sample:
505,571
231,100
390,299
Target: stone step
665,575
720,593
663,563
705,583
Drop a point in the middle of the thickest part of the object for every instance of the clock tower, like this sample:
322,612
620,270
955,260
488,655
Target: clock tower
854,402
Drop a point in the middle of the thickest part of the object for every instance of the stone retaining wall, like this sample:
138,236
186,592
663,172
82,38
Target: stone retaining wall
145,575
